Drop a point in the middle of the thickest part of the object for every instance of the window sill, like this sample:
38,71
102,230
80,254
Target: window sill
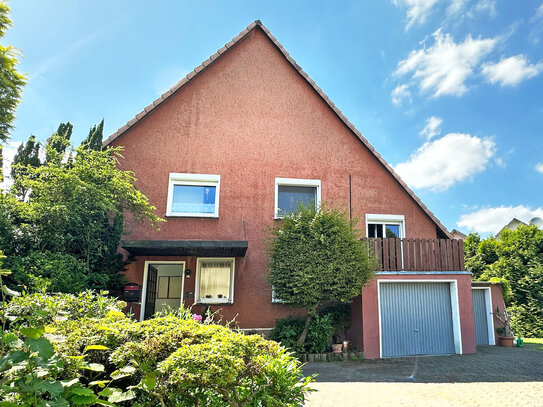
192,215
214,301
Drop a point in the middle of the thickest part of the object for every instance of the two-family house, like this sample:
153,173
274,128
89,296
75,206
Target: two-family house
227,150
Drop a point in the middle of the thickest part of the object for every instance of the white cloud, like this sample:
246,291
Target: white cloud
432,128
399,94
443,68
511,71
538,13
456,6
439,164
488,6
8,152
492,220
417,10
539,167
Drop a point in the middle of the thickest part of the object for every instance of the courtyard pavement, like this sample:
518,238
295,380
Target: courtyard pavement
495,376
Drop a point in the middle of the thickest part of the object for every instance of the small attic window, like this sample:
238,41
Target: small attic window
385,226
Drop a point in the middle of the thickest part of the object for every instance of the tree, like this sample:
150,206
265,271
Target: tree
95,137
316,258
64,236
516,258
58,143
28,155
11,81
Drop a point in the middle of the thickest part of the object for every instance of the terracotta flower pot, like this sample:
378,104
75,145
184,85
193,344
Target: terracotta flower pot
336,347
506,341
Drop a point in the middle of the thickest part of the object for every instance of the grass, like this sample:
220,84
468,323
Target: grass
534,343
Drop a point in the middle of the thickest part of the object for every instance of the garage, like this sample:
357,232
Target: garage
418,318
482,316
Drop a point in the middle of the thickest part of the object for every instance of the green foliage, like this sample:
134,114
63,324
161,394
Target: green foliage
28,155
58,144
43,309
11,81
329,321
287,331
316,257
516,260
64,236
319,334
94,139
82,350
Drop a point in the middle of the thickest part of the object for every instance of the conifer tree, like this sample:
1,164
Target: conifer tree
95,137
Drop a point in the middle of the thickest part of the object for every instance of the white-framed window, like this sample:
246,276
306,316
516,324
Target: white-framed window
291,192
391,226
193,195
275,298
215,280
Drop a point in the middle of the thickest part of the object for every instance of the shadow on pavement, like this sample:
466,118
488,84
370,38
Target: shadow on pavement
490,364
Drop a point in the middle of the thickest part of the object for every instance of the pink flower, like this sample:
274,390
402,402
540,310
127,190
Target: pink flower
197,318
208,320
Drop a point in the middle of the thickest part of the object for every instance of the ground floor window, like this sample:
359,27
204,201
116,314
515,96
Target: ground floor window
215,281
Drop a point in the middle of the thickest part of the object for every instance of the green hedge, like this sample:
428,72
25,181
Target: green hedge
99,356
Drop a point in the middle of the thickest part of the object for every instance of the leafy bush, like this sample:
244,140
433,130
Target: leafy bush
287,331
91,353
40,309
319,334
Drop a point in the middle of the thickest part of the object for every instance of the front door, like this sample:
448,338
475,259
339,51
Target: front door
150,295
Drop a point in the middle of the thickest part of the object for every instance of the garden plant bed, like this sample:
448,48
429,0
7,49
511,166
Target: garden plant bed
332,357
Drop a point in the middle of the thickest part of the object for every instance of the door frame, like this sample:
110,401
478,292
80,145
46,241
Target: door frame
490,314
453,286
145,273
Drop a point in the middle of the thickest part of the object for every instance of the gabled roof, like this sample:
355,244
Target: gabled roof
258,25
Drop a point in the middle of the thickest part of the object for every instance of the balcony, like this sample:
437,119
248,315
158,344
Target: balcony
417,254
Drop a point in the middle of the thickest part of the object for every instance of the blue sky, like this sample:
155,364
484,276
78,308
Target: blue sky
449,92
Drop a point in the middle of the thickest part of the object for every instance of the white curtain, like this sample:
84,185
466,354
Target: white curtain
215,279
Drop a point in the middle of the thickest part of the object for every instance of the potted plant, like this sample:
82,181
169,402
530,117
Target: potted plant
337,346
505,336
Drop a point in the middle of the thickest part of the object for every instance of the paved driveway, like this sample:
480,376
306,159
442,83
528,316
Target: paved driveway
493,377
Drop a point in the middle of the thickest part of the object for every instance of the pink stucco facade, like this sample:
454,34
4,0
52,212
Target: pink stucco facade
251,117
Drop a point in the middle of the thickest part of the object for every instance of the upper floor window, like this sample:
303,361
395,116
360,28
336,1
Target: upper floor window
193,195
391,226
290,193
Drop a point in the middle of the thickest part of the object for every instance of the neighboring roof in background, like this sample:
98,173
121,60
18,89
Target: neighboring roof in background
515,223
456,234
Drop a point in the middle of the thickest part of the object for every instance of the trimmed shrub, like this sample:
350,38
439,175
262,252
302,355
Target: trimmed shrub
166,361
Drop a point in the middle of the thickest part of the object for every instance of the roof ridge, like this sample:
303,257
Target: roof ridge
320,92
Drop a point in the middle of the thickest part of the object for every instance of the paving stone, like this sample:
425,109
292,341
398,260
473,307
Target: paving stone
493,377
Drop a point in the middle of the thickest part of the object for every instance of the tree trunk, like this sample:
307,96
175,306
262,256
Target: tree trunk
303,335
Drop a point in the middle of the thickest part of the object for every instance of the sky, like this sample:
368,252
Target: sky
448,92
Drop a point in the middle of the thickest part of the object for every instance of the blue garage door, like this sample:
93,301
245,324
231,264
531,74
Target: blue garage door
480,314
416,319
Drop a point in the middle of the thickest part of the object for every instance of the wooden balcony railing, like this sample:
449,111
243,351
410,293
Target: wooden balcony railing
417,254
